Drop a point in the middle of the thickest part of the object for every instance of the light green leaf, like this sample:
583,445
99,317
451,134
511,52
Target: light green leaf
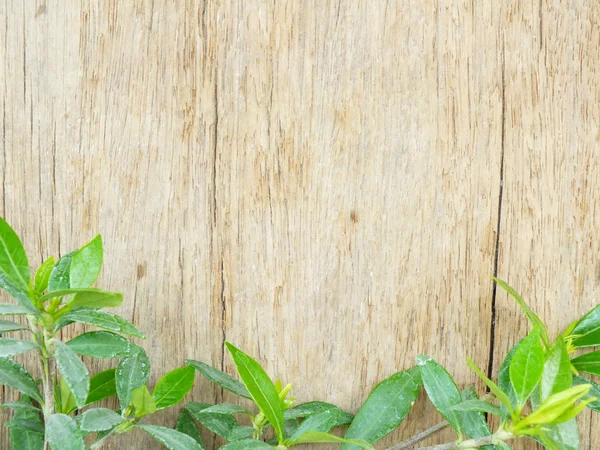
22,439
86,298
260,387
557,375
13,375
385,408
86,264
100,344
66,401
62,433
132,372
74,372
499,393
246,444
172,439
226,408
594,392
102,386
13,259
221,424
589,362
221,378
142,401
59,277
11,347
172,387
316,437
100,319
27,425
323,421
504,376
588,329
478,405
18,293
555,406
186,425
99,419
527,366
533,317
42,276
7,326
8,309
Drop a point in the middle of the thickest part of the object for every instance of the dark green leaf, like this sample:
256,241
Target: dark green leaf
221,424
9,309
102,386
588,329
7,326
221,378
589,362
21,439
594,392
13,259
142,401
15,376
240,432
100,344
473,422
557,375
42,276
62,433
99,319
565,435
99,419
11,347
305,410
246,444
186,425
18,293
527,366
316,437
86,264
225,408
74,372
478,405
59,277
323,421
20,405
175,385
385,408
172,439
27,425
504,375
132,372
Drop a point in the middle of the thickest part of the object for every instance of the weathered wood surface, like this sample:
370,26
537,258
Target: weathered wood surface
329,185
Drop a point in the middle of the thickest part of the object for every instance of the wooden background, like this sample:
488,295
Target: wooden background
327,184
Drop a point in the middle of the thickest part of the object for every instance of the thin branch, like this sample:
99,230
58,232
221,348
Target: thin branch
421,436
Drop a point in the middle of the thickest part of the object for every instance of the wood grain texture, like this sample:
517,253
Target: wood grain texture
320,183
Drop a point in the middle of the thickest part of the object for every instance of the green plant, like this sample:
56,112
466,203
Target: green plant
59,295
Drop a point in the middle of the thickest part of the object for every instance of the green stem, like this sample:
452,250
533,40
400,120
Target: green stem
501,435
48,365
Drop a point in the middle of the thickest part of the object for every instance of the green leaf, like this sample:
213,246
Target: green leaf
221,424
588,329
589,362
557,375
565,435
533,318
221,378
100,344
186,425
172,387
100,319
66,399
42,276
246,444
22,439
9,309
13,259
555,406
478,405
494,388
504,376
13,375
20,405
323,421
473,422
62,433
59,277
99,419
74,372
102,386
172,439
594,392
240,432
132,372
310,408
142,401
225,408
86,264
18,293
27,425
260,387
7,326
86,298
526,367
316,437
385,408
11,347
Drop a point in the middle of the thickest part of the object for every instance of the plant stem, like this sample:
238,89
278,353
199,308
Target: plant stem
474,443
48,364
419,437
101,442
